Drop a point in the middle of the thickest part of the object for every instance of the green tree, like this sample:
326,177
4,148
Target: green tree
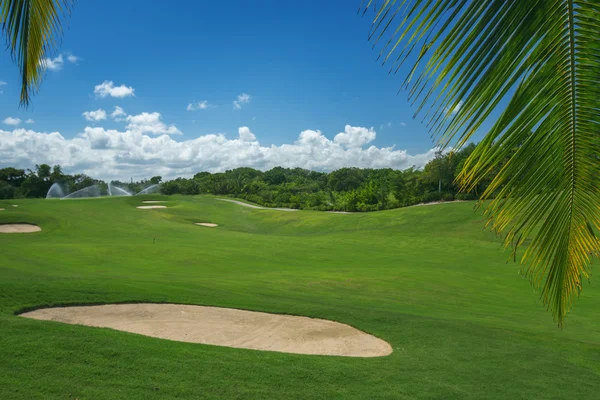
532,68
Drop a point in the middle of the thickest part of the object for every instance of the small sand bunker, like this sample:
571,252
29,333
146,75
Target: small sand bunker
19,228
15,205
224,327
208,224
1,209
153,201
150,207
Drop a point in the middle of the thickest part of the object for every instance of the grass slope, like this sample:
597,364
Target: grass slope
429,280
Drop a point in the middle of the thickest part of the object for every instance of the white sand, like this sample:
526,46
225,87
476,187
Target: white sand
433,203
241,203
208,224
19,228
224,327
14,205
153,201
1,209
340,212
150,207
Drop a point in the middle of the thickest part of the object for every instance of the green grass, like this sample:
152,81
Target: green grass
429,280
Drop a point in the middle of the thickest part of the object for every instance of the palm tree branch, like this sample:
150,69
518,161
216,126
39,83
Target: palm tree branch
31,28
529,69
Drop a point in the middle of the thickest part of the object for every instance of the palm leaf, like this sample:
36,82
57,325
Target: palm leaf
32,28
532,69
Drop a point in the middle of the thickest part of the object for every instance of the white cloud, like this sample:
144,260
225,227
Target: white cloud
455,109
73,58
354,136
11,121
29,121
201,105
97,115
53,64
383,126
402,123
112,154
150,123
57,63
118,114
246,135
241,99
2,83
108,88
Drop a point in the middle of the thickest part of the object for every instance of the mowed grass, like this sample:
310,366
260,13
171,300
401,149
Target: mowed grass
428,280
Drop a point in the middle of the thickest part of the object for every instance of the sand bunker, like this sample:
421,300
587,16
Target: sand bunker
208,224
150,207
19,228
241,203
15,205
1,209
153,201
224,327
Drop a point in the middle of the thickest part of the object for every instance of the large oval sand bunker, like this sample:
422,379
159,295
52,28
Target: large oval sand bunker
150,207
224,327
19,228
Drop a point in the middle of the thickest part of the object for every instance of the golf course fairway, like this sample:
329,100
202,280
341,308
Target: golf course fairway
430,281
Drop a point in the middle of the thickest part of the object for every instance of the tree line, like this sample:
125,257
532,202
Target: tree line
346,189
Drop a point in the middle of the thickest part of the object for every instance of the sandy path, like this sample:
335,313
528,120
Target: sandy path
207,224
150,207
224,327
433,203
257,207
19,228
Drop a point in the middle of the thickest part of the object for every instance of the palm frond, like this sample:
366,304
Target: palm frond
31,28
532,68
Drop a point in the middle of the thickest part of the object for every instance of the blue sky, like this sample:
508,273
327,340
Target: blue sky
303,66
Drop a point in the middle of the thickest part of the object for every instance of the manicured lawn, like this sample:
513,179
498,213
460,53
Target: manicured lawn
428,280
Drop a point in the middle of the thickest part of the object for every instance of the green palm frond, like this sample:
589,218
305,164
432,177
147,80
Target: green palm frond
31,28
532,68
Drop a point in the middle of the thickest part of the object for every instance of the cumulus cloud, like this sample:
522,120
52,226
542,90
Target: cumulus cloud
241,99
57,63
2,83
113,154
246,135
53,64
118,114
73,58
455,109
29,121
201,105
150,123
354,136
97,115
108,88
11,121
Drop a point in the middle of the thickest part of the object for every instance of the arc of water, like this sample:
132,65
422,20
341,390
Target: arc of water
90,191
149,189
114,190
55,191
